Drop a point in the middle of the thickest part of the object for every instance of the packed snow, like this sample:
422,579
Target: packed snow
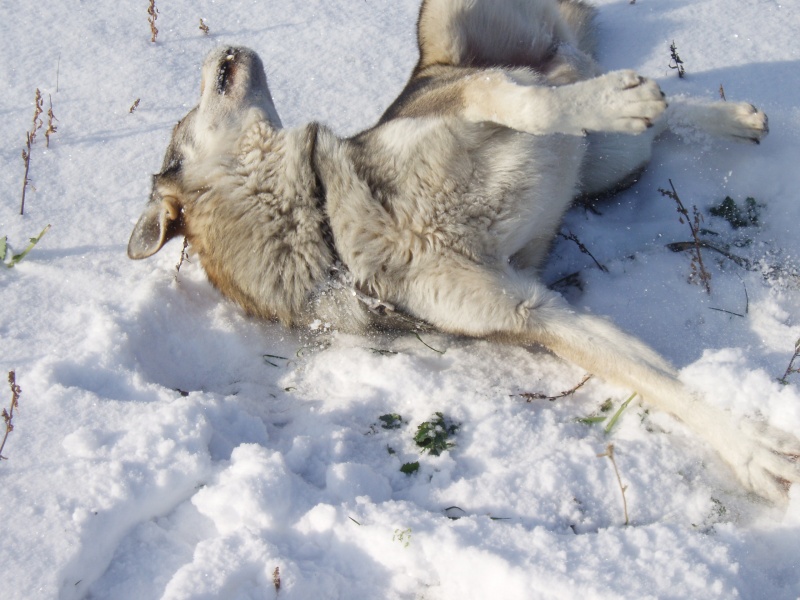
167,446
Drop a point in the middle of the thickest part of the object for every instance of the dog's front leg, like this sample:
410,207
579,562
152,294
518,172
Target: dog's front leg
621,102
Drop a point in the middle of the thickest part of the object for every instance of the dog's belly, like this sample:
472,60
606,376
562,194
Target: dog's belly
533,212
481,190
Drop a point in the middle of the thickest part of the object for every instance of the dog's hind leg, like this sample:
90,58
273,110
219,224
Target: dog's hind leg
464,298
735,120
613,161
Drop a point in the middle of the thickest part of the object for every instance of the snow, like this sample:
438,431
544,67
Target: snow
158,453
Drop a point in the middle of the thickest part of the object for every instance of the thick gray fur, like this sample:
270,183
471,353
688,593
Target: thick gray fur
444,211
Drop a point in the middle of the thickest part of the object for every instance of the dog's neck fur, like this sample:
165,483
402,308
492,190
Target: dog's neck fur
269,205
272,204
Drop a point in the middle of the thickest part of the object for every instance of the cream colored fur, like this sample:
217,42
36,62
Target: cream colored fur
444,210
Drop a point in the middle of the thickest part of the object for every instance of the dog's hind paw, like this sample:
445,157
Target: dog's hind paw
766,460
738,121
747,123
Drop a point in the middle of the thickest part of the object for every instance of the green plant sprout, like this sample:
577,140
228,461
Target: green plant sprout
15,259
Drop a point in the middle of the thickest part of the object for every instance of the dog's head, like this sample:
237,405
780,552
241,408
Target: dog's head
233,86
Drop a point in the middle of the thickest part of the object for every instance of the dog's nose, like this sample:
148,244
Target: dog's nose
226,70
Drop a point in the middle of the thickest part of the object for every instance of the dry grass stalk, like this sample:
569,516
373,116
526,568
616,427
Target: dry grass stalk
134,106
30,137
530,396
609,453
722,92
51,119
675,61
791,368
276,579
203,27
152,12
584,250
8,415
699,273
184,257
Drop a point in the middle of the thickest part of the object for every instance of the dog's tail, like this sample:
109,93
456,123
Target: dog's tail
600,347
503,33
580,17
763,458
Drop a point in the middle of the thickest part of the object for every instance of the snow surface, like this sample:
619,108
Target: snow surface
118,485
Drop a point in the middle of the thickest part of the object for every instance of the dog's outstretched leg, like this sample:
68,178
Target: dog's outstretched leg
506,306
620,101
736,120
613,161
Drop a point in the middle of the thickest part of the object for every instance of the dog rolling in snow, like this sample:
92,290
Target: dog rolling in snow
445,209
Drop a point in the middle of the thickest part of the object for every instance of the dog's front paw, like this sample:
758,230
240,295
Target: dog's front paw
626,102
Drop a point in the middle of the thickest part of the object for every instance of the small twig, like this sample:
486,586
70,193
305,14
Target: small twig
773,269
267,360
791,368
684,246
428,345
26,157
203,27
152,12
135,105
609,453
184,257
746,299
276,579
30,137
530,396
676,62
699,273
574,238
727,312
51,118
746,305
8,415
382,352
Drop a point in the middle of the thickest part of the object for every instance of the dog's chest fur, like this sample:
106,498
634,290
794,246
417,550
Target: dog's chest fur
262,214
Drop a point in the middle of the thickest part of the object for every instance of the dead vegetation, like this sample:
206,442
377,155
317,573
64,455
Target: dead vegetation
8,415
30,137
791,368
152,15
675,61
531,396
699,274
609,453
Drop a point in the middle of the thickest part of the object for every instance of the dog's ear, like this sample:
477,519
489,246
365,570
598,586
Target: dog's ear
159,223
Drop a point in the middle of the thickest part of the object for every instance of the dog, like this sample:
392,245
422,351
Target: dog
442,212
